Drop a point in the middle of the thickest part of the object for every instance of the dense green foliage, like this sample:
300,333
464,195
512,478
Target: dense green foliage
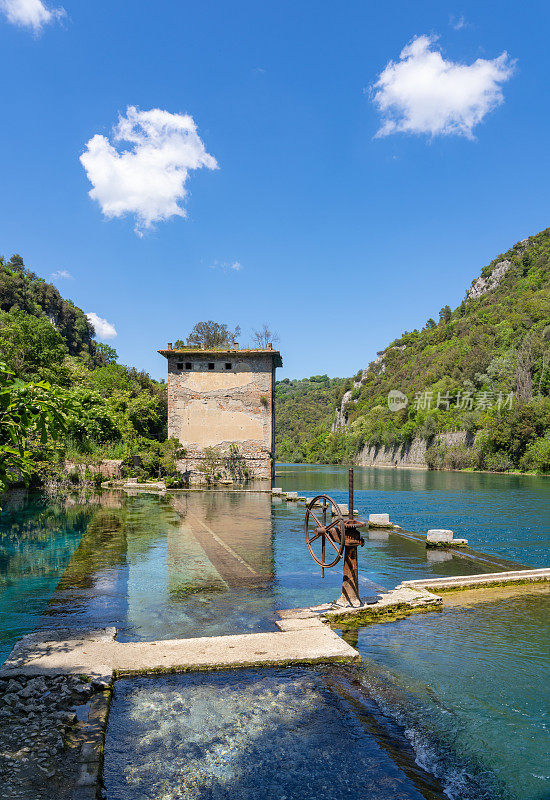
29,412
303,409
458,373
22,290
110,410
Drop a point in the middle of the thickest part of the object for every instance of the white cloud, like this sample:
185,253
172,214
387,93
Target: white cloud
425,94
30,13
103,329
457,23
148,178
226,266
61,274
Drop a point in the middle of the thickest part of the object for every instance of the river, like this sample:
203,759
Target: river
465,687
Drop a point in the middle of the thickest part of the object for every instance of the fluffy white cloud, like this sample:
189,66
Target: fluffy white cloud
148,178
103,329
30,13
61,274
424,93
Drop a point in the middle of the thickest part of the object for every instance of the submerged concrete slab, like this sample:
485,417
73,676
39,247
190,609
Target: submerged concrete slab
97,653
482,579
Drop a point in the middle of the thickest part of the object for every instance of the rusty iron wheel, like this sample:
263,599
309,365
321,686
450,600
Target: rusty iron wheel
333,533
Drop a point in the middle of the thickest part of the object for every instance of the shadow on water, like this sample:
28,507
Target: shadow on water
38,537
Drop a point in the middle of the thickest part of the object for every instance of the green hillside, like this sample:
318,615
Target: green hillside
484,367
303,406
111,409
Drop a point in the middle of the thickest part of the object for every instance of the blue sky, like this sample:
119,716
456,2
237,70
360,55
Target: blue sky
343,239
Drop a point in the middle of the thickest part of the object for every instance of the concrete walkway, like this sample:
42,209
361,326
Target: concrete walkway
402,597
98,654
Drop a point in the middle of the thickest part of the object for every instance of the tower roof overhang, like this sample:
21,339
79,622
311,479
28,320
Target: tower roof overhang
214,352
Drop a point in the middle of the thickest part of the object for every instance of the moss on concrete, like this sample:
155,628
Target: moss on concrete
277,663
486,585
386,614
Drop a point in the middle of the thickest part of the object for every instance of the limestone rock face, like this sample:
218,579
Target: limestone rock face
483,285
341,418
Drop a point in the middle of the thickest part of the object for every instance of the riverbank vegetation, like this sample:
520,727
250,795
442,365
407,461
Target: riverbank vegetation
482,368
109,410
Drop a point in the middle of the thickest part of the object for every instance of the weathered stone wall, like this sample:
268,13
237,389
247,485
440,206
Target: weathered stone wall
109,469
221,407
412,455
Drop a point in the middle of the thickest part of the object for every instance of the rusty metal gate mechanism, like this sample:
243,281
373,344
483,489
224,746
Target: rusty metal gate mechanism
337,538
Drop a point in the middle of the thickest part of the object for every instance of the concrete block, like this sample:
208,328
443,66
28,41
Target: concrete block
344,510
379,520
276,490
292,495
460,542
439,536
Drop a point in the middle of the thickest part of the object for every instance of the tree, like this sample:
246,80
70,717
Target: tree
105,354
32,347
445,314
210,334
524,367
22,290
264,337
26,409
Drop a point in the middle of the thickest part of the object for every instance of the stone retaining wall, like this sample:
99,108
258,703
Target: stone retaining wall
408,455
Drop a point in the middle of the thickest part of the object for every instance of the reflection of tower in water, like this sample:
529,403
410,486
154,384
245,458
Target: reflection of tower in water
223,540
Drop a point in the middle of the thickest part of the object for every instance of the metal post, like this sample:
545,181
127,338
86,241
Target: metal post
350,579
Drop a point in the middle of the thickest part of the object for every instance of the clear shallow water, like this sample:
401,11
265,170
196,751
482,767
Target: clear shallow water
194,564
278,735
38,537
470,684
188,564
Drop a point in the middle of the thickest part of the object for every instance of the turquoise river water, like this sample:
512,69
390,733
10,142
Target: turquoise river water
452,703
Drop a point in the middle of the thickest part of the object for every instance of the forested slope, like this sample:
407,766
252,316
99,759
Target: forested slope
483,366
111,409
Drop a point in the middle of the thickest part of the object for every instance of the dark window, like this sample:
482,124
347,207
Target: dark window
179,365
228,364
188,365
211,365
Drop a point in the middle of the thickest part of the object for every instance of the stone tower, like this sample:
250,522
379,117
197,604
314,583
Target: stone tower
223,399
